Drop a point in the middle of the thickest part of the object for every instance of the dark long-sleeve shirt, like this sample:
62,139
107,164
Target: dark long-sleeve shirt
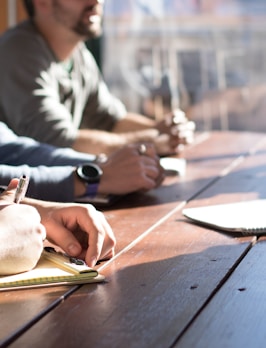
50,169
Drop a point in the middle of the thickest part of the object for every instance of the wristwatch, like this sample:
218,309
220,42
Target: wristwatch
90,174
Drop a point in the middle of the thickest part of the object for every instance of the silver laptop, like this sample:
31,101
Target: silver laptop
248,218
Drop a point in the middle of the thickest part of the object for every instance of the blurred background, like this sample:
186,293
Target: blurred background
206,56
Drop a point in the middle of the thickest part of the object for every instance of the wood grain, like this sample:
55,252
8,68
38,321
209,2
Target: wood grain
166,270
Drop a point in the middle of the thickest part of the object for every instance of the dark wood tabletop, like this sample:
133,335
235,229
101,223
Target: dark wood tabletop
172,283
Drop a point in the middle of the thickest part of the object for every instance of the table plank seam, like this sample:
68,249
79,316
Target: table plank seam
12,337
215,291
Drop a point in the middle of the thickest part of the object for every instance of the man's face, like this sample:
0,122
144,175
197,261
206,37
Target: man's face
81,16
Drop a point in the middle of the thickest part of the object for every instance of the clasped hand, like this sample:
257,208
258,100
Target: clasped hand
175,132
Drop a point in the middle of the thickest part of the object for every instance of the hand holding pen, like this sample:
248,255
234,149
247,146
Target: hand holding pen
21,189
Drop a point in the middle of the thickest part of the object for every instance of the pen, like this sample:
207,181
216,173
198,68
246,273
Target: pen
21,188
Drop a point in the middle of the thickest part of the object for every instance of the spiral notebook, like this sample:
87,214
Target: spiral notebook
53,268
247,218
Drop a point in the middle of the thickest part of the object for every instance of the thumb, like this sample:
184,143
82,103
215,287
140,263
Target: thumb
12,185
9,194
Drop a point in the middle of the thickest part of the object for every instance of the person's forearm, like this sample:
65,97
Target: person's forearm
105,142
128,130
97,141
133,122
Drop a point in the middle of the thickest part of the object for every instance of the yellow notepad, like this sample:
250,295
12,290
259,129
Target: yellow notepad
53,268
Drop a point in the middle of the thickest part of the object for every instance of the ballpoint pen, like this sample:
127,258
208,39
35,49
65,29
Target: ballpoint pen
21,188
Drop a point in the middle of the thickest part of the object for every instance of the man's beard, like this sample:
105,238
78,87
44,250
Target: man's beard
88,31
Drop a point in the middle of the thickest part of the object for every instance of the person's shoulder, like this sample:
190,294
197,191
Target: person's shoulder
20,35
23,43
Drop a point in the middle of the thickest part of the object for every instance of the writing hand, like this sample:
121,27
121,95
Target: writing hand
21,234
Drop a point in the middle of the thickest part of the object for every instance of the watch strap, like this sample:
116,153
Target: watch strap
89,174
91,190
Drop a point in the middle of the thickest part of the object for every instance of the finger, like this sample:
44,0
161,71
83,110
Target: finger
13,184
65,239
176,117
95,245
108,249
182,137
179,117
101,240
9,193
42,231
151,162
146,149
182,134
164,145
187,127
160,178
152,176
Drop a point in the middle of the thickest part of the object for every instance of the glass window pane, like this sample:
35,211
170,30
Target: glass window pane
205,56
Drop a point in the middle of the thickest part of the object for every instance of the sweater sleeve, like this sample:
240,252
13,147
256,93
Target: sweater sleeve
17,151
46,183
32,153
50,169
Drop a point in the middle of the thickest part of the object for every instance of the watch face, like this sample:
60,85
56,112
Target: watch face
90,173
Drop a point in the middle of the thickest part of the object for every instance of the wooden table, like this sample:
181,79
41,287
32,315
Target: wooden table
172,283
